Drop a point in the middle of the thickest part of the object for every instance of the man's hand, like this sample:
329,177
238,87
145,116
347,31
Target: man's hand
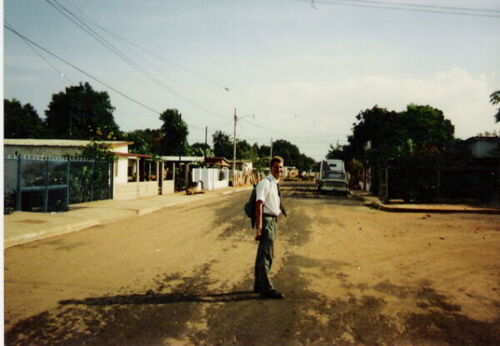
258,233
258,219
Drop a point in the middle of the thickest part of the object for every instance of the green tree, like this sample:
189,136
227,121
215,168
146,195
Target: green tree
200,149
381,136
260,156
21,121
292,155
375,135
495,99
288,151
175,132
99,152
427,128
305,163
244,150
336,152
223,145
80,112
146,141
264,151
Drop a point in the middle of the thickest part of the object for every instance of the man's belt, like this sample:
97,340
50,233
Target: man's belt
270,215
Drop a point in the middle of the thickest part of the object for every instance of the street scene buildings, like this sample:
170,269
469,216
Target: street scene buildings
136,132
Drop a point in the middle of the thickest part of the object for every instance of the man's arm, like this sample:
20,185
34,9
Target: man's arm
258,219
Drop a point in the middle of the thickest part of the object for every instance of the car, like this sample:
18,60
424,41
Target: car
333,182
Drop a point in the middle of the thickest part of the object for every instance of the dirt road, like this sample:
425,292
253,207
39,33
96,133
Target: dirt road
351,275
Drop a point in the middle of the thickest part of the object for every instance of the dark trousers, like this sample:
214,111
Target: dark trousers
265,253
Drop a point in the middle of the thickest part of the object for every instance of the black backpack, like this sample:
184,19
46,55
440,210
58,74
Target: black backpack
249,207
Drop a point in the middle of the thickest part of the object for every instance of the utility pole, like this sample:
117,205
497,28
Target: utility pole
271,151
205,148
234,149
70,121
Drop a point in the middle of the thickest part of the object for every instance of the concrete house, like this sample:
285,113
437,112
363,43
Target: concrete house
134,175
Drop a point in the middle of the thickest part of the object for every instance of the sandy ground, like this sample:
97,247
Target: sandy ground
351,275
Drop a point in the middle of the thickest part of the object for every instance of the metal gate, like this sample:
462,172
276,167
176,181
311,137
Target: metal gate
46,184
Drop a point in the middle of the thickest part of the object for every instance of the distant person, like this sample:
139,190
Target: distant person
267,209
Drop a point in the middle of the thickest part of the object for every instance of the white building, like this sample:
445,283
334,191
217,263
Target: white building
134,175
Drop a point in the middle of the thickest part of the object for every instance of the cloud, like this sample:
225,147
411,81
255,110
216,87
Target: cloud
463,98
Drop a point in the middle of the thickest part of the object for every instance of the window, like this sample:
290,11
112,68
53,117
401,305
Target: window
334,175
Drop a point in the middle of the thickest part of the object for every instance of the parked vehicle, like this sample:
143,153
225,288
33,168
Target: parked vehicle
333,182
332,177
331,165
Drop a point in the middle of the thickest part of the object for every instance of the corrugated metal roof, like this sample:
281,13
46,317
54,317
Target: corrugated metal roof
132,155
184,158
60,142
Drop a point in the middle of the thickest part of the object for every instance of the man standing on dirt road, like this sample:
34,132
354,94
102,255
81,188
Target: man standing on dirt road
267,209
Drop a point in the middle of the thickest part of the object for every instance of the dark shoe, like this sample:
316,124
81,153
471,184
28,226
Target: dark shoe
272,294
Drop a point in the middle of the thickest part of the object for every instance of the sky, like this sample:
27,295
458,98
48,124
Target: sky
294,70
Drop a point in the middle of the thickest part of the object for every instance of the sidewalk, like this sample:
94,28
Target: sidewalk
24,227
374,202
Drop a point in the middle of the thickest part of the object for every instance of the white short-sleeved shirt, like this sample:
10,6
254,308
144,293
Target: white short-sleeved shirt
267,192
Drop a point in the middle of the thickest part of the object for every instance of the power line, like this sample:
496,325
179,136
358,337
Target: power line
451,10
26,39
75,19
40,55
80,23
158,56
434,7
198,75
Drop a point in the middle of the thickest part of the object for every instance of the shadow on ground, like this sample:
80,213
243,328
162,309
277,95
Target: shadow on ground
155,298
194,315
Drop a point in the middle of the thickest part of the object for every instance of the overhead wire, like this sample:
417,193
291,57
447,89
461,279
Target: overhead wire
291,135
198,75
79,69
434,7
98,80
75,19
449,10
149,51
40,55
305,141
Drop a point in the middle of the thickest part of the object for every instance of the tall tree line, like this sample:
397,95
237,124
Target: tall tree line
80,112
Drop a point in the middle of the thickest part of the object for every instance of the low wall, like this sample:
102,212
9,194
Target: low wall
135,190
168,186
210,177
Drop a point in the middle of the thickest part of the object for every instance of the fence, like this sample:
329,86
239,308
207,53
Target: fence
45,184
438,184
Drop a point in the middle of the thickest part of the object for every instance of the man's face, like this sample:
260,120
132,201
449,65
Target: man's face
277,169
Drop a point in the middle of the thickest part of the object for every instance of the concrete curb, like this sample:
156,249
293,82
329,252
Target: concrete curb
33,236
146,211
376,204
437,210
236,190
81,225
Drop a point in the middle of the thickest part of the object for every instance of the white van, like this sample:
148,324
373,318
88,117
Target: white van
332,177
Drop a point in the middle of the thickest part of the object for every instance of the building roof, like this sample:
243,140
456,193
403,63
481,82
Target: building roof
482,139
217,161
60,142
240,161
132,155
183,158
